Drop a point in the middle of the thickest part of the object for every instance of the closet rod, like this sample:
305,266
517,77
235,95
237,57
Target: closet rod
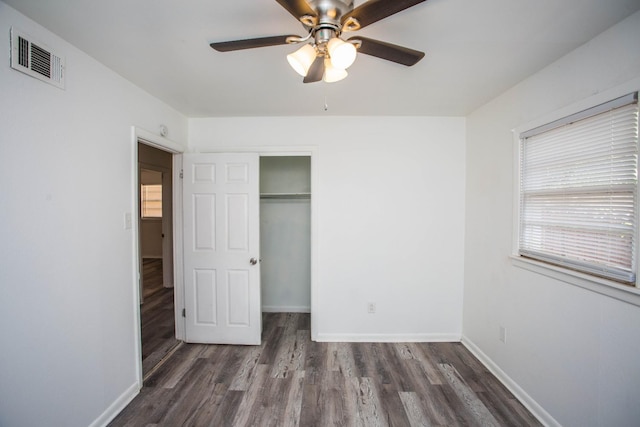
285,195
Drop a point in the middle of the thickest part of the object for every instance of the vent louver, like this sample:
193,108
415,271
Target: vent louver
36,60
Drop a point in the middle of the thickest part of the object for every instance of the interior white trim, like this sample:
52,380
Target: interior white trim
117,406
157,141
436,337
538,411
178,276
599,285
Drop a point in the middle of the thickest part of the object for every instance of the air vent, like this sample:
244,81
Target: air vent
35,59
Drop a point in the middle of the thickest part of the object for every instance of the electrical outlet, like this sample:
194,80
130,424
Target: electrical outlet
503,334
371,307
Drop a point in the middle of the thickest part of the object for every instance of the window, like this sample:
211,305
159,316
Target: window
151,201
578,191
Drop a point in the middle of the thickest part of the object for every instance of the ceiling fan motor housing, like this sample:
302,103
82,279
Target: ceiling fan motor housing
330,11
327,22
323,22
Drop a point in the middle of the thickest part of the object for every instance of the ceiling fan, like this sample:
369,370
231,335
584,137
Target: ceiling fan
324,55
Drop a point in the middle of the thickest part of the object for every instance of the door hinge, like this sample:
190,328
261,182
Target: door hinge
184,312
181,173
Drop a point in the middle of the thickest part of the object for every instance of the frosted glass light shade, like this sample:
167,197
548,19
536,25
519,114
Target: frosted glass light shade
342,54
333,74
301,59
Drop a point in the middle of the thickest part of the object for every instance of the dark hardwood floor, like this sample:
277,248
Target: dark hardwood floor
291,381
156,316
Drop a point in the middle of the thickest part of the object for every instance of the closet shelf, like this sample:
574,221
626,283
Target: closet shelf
285,195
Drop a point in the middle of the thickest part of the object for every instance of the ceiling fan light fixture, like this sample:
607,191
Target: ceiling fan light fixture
342,54
333,74
301,59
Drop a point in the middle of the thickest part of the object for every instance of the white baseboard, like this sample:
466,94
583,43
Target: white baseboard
388,338
117,406
286,309
538,411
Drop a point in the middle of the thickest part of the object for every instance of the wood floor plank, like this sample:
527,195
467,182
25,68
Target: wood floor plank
506,408
369,408
210,403
293,408
401,378
273,402
392,406
420,353
315,360
310,409
292,381
413,408
244,376
337,399
452,354
227,410
285,357
227,362
168,375
340,359
146,408
271,344
191,392
250,408
470,400
438,410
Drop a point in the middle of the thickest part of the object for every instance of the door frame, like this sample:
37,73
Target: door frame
139,135
281,151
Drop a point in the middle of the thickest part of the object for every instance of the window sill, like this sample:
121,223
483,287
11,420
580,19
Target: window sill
609,288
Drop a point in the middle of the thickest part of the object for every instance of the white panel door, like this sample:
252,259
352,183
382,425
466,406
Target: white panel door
221,248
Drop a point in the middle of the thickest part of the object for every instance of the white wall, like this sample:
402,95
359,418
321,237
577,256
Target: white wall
67,291
390,210
572,351
285,251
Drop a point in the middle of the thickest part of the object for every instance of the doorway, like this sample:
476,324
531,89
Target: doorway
285,233
223,299
155,228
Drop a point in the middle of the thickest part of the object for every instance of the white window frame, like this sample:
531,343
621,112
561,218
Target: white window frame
630,294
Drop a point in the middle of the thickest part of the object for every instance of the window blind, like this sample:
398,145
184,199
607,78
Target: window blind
151,201
578,191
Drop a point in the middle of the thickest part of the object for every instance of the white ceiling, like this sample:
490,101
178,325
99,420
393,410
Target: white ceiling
475,50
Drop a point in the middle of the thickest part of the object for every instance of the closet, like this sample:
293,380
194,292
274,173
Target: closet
285,233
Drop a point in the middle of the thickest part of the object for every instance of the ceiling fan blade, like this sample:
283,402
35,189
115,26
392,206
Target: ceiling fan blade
250,43
390,52
298,8
375,10
316,71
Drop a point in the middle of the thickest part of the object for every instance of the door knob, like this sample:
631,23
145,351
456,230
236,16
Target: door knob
253,261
